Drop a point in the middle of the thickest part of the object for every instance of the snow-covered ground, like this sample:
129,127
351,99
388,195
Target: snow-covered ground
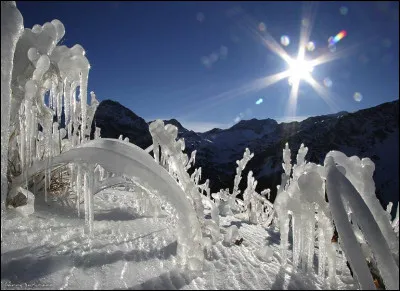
130,248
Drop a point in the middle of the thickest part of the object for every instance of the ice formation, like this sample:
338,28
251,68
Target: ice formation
164,139
359,173
247,156
44,82
11,30
341,190
125,158
302,202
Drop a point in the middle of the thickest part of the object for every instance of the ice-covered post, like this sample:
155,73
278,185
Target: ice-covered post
11,29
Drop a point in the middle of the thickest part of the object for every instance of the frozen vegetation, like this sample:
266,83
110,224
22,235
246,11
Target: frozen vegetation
103,213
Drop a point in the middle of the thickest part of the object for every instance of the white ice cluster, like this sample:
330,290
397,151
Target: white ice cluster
247,156
11,30
176,161
350,195
46,118
352,208
300,200
258,209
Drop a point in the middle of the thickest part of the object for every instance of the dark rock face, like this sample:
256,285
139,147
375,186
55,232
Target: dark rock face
115,119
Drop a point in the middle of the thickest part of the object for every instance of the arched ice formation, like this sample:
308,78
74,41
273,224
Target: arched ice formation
127,159
341,191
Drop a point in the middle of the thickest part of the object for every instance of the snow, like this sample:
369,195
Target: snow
132,249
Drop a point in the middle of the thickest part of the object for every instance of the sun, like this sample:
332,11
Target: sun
299,69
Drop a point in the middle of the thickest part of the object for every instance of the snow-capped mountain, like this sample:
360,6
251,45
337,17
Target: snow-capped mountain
372,132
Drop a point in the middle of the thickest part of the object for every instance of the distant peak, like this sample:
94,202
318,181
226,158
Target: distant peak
175,122
110,102
106,104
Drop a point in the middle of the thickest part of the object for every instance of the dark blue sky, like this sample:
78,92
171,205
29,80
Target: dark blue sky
152,56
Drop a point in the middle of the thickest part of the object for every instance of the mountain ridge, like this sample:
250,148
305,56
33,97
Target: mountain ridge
370,132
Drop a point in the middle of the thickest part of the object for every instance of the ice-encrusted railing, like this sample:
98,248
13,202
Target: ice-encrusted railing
359,219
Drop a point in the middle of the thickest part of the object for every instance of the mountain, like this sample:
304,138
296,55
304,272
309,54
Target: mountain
115,119
372,132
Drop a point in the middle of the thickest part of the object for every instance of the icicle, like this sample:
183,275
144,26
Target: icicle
78,188
34,133
83,99
311,246
22,138
59,101
97,133
26,178
296,230
74,117
67,102
45,181
395,222
50,162
90,197
321,248
55,140
389,207
85,195
51,97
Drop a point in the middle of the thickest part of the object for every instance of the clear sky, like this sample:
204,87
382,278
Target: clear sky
199,62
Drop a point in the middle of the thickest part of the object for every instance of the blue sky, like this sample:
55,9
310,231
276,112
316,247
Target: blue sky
198,61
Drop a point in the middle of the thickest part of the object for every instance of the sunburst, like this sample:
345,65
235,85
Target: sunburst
300,68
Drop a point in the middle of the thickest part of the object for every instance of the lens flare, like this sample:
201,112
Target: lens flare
310,46
259,101
328,82
261,26
332,48
344,10
200,17
285,40
337,38
357,96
